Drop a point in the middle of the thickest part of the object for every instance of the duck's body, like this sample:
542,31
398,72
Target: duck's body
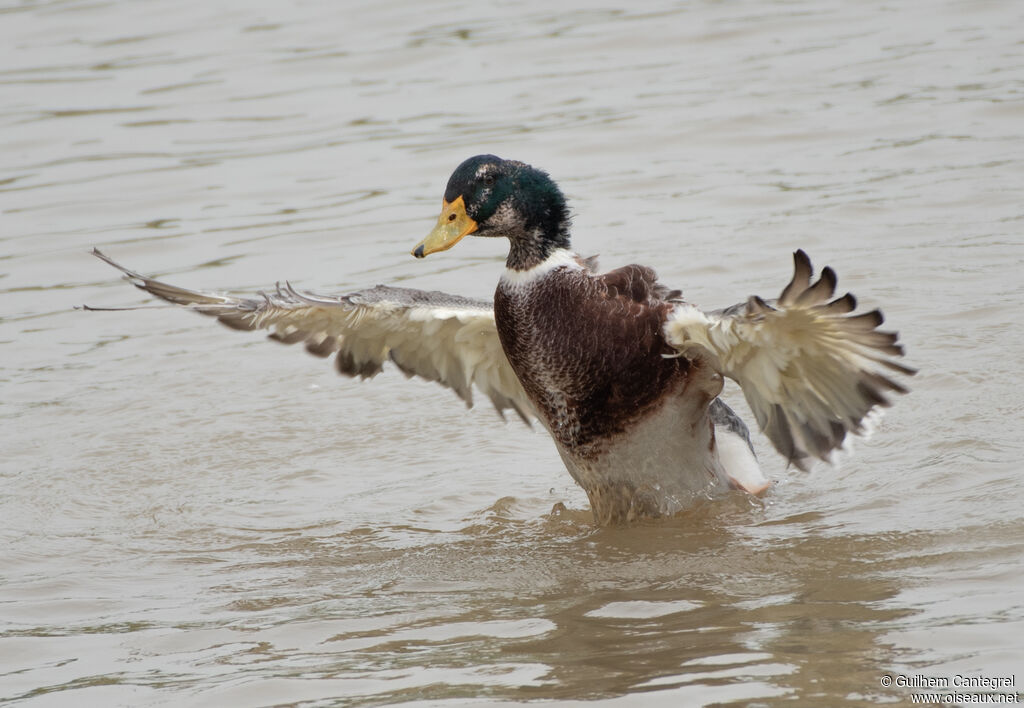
631,422
589,383
623,373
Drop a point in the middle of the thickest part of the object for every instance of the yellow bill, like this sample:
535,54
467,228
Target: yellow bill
453,224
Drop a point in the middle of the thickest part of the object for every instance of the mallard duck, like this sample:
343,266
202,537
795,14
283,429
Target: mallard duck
622,372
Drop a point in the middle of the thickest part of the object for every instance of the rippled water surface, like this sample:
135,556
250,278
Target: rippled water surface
191,516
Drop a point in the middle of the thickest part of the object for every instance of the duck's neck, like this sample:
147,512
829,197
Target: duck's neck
536,221
513,279
529,249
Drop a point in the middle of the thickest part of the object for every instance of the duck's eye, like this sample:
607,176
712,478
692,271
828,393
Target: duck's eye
451,217
488,180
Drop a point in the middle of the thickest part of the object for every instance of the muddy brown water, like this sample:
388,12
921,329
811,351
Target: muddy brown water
191,516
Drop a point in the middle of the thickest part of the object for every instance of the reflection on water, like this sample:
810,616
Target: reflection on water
196,517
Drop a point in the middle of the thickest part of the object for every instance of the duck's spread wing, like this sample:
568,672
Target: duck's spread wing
439,337
810,369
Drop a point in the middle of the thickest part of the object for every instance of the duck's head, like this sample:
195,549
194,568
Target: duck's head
488,196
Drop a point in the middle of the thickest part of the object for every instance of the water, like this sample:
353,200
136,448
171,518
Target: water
197,517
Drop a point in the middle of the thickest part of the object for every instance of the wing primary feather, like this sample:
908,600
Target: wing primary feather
324,348
346,364
894,365
841,305
91,308
239,322
822,290
872,395
865,322
801,277
291,337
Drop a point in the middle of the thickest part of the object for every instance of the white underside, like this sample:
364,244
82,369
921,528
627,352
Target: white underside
738,462
668,464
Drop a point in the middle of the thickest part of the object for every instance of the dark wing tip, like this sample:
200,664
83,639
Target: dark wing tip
232,320
347,365
324,348
829,277
130,274
801,279
820,291
898,367
865,321
291,337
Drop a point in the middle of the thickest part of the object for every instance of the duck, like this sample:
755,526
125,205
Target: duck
621,370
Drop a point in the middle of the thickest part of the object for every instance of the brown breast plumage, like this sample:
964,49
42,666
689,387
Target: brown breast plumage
589,349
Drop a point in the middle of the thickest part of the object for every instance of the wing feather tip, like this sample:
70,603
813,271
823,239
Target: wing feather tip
866,321
347,364
323,348
828,276
801,279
